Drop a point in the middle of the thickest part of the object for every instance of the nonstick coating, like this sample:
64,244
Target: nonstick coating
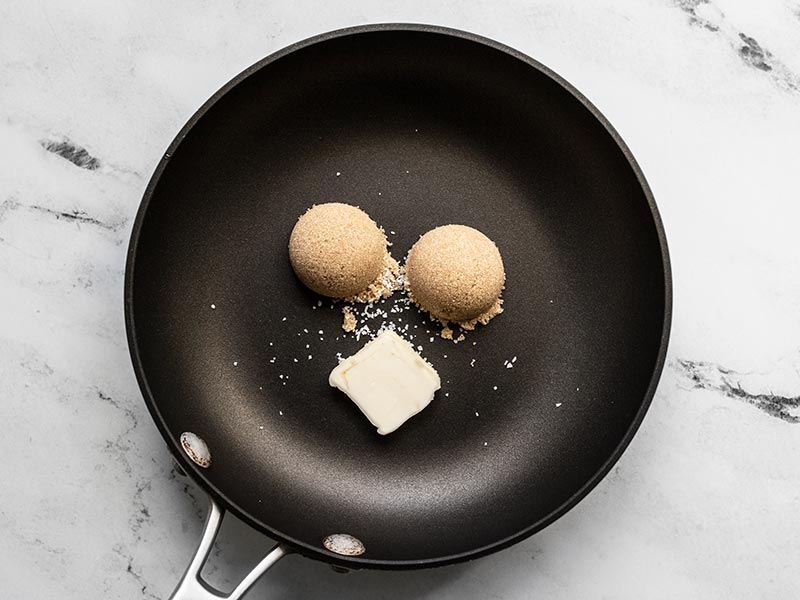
420,126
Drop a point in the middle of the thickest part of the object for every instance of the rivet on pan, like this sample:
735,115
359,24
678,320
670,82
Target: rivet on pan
342,543
196,448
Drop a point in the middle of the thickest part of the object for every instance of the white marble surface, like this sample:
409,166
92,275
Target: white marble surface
704,504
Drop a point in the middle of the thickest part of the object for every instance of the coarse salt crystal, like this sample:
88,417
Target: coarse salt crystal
494,388
213,306
235,363
558,404
309,357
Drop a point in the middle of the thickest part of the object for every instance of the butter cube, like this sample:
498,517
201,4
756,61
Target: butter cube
388,380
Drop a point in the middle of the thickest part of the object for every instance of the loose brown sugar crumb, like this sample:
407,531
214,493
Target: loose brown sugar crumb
383,286
349,321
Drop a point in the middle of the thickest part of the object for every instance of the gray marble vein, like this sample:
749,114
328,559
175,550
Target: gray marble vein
709,376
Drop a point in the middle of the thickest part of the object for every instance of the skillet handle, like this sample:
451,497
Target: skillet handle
193,587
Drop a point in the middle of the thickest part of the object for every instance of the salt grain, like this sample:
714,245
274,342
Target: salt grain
494,388
213,306
476,414
280,412
472,363
294,359
558,404
236,363
283,319
309,357
338,173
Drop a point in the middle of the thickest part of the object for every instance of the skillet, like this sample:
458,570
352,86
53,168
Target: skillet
420,126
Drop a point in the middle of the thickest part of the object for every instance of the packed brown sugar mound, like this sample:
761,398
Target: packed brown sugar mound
456,273
336,250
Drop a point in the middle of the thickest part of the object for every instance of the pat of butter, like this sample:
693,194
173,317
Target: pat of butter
387,380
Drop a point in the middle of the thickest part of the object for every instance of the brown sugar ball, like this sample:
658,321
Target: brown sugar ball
456,273
337,250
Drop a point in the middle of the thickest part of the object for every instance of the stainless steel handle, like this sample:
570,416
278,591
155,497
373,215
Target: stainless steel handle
193,587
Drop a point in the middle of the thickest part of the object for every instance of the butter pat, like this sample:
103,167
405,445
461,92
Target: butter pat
387,380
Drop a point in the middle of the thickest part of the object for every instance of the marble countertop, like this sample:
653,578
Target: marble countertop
704,502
